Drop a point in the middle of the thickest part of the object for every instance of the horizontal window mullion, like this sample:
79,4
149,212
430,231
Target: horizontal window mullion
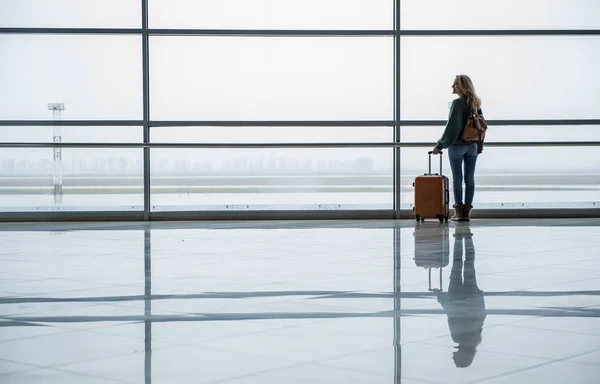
272,123
269,32
89,123
288,123
301,32
72,31
499,32
429,123
200,32
291,145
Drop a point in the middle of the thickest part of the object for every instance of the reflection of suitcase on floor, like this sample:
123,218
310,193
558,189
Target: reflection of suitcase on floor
431,195
432,248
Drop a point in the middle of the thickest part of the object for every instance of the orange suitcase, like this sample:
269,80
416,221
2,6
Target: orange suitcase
432,195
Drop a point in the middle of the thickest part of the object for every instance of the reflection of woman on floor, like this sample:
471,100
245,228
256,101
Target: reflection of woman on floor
464,303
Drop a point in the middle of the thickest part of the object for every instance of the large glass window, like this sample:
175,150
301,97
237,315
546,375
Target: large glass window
346,73
273,78
97,77
71,179
272,178
512,133
71,134
520,177
71,13
542,77
272,14
500,14
92,180
243,135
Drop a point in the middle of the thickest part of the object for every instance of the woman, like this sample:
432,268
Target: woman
460,151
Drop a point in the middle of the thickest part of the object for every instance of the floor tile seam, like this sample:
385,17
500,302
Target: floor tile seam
533,267
115,264
582,269
573,281
554,330
209,348
291,366
584,363
33,367
82,374
60,332
119,261
501,295
66,280
566,358
286,359
429,339
138,338
34,277
9,282
97,284
419,380
357,370
98,325
513,354
63,367
549,362
322,361
510,372
56,367
511,272
199,343
60,292
317,327
559,283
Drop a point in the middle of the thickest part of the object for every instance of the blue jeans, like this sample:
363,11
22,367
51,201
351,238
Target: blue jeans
457,155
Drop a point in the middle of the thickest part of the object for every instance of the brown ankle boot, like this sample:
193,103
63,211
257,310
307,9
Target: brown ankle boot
466,214
458,212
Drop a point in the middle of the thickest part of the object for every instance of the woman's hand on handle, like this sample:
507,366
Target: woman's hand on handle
436,150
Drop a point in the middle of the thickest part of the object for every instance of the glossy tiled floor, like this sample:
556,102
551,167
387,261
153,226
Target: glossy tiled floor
300,302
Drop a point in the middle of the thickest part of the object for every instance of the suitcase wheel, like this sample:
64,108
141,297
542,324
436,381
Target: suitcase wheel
443,218
417,218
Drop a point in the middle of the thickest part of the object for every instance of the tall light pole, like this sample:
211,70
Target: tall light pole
57,182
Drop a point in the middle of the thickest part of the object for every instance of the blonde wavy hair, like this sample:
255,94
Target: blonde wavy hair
466,88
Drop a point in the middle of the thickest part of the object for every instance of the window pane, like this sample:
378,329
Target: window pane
537,177
92,179
97,77
276,78
271,134
511,133
272,14
71,134
271,179
505,14
517,77
71,13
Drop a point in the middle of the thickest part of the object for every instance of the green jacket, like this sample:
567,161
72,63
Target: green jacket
457,119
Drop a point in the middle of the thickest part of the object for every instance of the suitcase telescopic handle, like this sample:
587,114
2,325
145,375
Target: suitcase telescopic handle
431,153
